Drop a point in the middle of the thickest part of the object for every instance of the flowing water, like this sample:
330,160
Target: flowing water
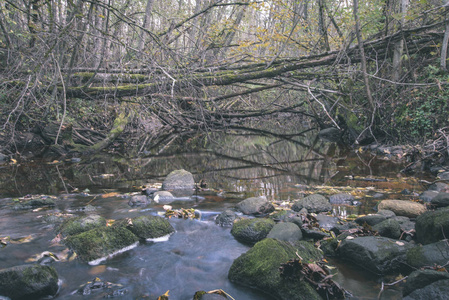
199,254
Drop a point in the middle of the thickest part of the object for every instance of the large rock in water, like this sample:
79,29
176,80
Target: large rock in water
255,206
402,207
28,282
180,183
250,231
78,225
431,225
429,255
150,227
101,242
259,268
313,203
378,255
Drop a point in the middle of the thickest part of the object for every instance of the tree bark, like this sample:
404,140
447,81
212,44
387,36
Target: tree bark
362,55
443,58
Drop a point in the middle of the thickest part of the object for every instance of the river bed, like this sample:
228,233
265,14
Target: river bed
199,254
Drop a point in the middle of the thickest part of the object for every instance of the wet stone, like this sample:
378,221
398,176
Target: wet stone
226,218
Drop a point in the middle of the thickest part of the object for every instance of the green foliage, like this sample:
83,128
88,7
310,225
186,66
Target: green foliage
427,109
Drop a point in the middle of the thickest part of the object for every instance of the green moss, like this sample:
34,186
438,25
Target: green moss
78,225
415,257
259,268
100,242
251,230
150,227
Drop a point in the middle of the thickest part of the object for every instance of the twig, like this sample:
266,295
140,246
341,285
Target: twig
324,107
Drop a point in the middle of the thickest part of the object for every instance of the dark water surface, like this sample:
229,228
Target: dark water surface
199,254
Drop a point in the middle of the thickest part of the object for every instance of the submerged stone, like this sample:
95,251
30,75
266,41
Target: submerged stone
100,242
250,231
259,268
28,282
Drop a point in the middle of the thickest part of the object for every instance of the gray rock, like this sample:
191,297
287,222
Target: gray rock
42,201
427,196
371,220
405,223
314,234
441,200
163,197
259,268
430,226
342,199
429,255
226,218
379,255
138,200
313,203
288,232
438,290
387,213
326,222
330,135
402,207
255,206
28,282
180,183
421,278
438,186
443,175
389,228
250,231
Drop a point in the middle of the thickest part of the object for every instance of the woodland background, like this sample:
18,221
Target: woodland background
83,76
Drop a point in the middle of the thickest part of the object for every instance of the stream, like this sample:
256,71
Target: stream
199,254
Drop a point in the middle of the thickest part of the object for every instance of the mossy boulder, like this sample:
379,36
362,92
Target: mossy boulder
379,255
313,203
250,231
28,282
78,225
150,227
255,206
259,268
100,242
431,225
428,255
42,201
